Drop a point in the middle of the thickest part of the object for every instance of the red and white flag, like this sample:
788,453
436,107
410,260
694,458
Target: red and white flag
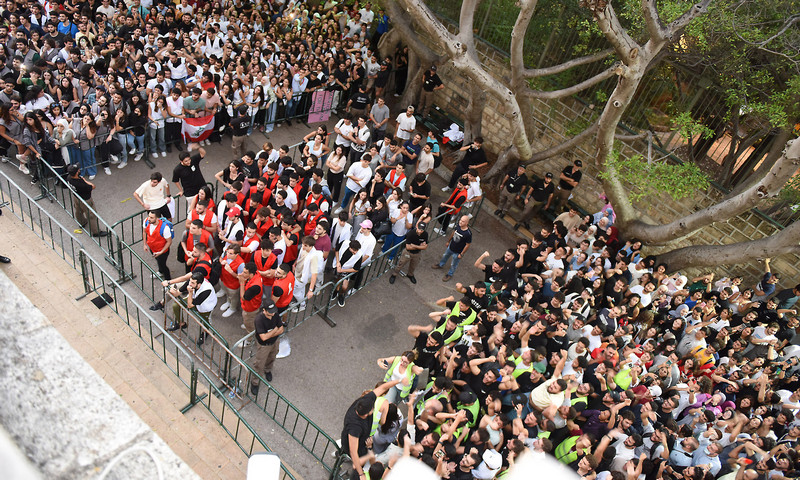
197,129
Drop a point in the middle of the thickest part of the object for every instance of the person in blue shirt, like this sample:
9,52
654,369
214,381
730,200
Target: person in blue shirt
65,26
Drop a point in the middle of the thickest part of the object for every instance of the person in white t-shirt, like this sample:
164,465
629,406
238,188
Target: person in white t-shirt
358,176
406,123
154,195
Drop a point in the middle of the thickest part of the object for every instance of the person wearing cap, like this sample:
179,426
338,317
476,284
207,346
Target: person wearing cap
82,201
268,327
537,198
416,242
567,182
430,83
406,124
511,188
491,463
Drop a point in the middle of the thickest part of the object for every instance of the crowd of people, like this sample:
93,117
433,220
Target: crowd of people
573,344
576,345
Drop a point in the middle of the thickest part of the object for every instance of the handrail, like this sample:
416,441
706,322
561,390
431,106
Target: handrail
217,393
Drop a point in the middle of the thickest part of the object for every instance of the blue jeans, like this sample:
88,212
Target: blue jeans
447,254
157,142
269,122
123,139
291,107
391,241
86,161
137,142
348,194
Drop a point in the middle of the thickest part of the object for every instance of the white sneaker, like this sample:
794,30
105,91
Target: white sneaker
298,308
336,212
24,169
243,327
220,294
91,177
114,159
446,188
438,231
132,151
163,154
206,142
107,171
138,157
228,313
22,158
155,155
225,306
4,159
122,165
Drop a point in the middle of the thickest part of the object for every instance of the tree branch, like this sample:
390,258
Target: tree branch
783,242
466,22
652,20
543,72
681,22
572,90
615,33
768,186
567,144
402,22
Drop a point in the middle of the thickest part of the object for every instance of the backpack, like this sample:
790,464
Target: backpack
166,225
216,271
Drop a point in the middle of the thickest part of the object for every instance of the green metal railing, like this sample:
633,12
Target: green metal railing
218,405
179,359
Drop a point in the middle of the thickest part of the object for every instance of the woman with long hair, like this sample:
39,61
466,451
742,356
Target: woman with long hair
157,113
254,102
104,136
37,141
11,127
85,130
336,164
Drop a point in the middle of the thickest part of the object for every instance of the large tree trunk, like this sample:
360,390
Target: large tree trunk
473,119
414,82
775,152
768,186
700,256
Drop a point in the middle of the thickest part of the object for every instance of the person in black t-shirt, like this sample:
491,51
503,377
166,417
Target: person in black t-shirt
240,125
430,83
187,175
538,197
475,157
416,242
83,209
358,424
510,189
568,180
268,327
420,192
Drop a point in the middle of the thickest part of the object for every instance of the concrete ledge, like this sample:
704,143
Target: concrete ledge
66,420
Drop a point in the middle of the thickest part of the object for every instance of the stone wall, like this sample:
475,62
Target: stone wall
554,121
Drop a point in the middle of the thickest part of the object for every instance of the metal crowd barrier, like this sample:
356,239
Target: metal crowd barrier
179,359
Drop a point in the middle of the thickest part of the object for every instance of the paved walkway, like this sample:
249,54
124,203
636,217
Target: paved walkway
118,355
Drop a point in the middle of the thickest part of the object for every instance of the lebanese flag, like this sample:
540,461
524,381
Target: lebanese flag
197,129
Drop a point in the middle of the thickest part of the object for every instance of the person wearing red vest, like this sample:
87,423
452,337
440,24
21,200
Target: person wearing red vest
312,215
194,235
250,242
251,290
283,288
315,197
157,240
201,265
232,267
396,178
263,221
266,262
290,235
258,197
207,217
236,189
452,206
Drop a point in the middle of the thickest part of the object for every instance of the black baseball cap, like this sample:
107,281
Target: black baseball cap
269,306
548,175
